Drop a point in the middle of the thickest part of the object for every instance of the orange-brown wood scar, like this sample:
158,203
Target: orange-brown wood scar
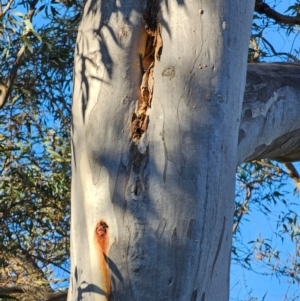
152,53
101,241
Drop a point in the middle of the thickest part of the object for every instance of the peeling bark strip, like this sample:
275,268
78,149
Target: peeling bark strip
101,239
153,48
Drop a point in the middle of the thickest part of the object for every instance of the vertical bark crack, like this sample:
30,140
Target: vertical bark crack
152,52
219,246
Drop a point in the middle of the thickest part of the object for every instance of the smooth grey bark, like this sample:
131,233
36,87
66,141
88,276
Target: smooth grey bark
153,220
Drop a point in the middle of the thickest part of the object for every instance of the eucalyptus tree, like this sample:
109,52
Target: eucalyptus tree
149,109
159,127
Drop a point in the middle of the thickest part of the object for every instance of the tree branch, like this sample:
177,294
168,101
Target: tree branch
276,168
275,53
5,89
270,126
8,5
293,173
31,267
46,296
263,8
242,210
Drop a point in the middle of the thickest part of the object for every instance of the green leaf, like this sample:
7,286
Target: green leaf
54,11
36,35
39,9
28,24
5,53
27,44
19,14
54,154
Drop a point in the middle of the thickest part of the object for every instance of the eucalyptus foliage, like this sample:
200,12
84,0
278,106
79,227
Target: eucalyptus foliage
35,144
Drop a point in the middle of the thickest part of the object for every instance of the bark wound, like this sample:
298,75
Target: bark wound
152,52
101,238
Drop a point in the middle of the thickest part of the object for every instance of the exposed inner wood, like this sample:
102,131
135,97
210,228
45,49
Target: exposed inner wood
153,48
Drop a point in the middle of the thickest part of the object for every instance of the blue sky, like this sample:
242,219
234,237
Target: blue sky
247,285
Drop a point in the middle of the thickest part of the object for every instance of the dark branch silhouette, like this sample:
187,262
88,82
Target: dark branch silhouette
47,296
263,8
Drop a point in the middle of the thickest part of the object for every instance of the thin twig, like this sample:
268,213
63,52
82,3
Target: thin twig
6,89
292,57
263,163
8,5
241,211
293,173
263,8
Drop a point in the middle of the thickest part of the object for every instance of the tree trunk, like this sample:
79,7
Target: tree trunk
152,197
